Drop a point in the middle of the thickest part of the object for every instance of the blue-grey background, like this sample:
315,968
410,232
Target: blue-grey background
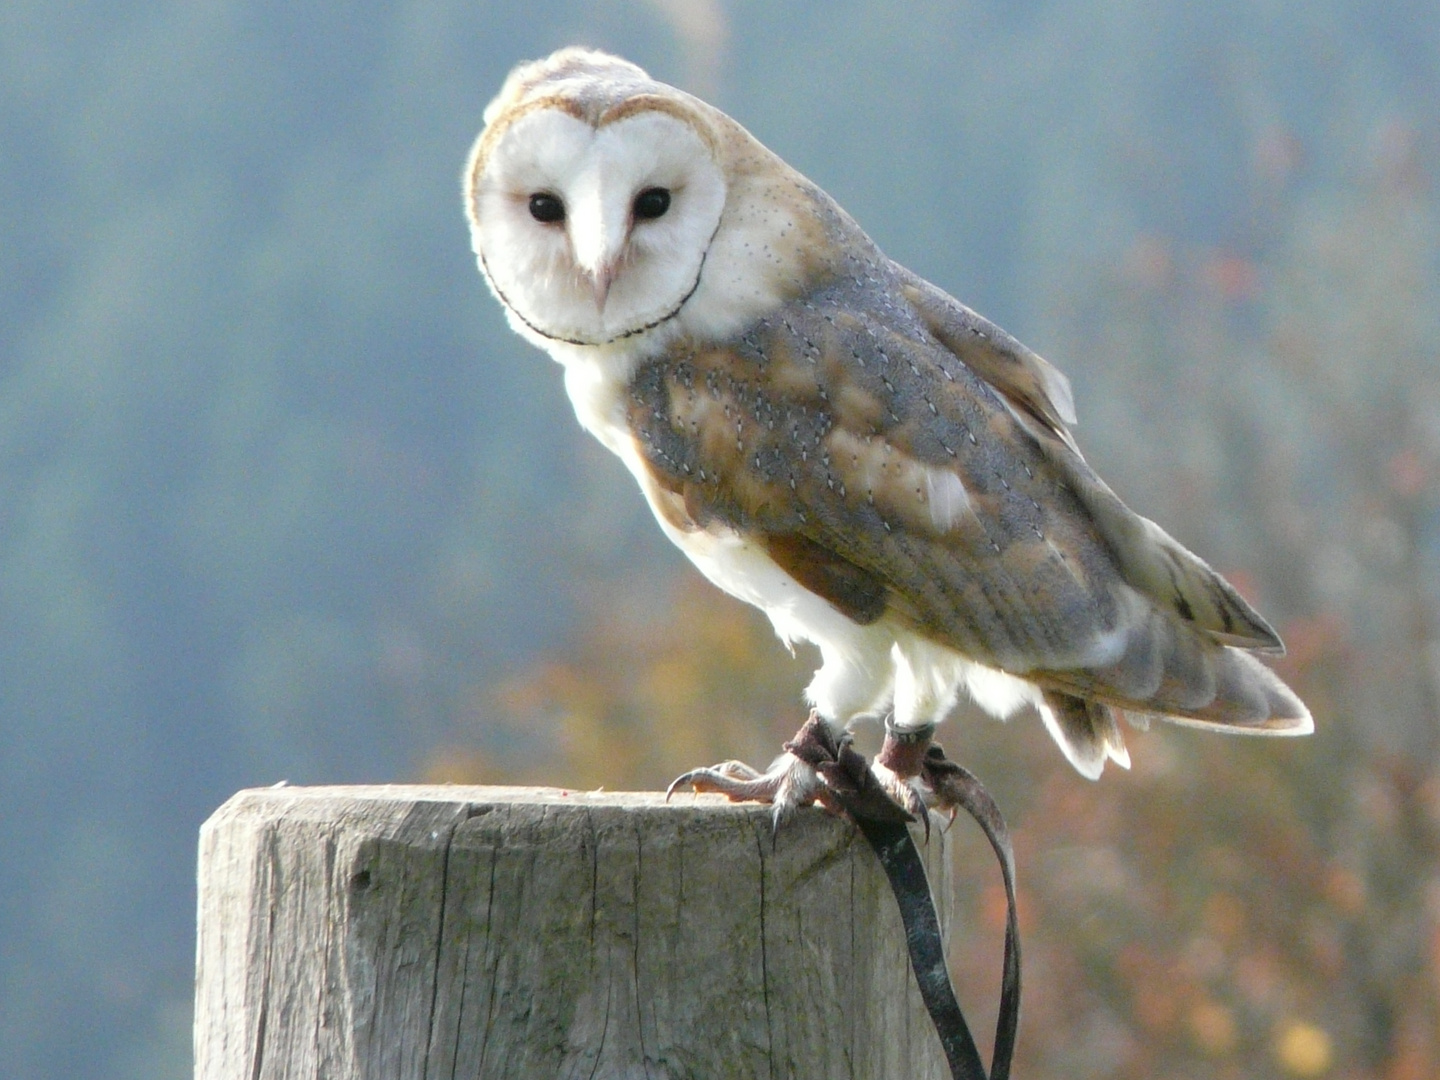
280,493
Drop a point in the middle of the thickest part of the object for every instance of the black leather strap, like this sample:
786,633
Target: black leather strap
851,785
895,848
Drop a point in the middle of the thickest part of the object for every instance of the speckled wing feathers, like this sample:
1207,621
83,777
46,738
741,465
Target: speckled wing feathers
1039,392
825,422
906,459
1148,557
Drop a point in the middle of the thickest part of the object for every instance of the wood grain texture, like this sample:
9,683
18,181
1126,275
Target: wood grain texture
445,932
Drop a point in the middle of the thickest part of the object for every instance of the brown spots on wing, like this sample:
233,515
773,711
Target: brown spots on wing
714,425
857,593
788,373
706,418
668,499
858,409
902,489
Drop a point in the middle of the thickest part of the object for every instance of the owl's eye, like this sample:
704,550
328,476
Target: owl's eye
546,208
652,203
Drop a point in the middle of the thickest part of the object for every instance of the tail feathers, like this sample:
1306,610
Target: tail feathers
1250,699
1085,730
1170,671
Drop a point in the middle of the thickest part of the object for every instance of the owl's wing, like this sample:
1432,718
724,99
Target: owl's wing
1039,395
886,471
1025,379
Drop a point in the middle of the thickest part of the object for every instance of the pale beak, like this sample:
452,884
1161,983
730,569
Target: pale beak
601,278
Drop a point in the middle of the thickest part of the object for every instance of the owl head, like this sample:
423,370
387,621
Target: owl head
604,205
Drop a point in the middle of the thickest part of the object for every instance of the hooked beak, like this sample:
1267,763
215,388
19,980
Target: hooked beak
601,278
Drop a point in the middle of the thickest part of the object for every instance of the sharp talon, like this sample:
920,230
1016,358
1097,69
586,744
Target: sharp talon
953,786
683,778
790,783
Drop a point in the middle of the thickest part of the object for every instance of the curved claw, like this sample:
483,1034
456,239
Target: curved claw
683,778
725,772
754,788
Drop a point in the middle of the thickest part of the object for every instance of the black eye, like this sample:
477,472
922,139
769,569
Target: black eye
652,203
546,208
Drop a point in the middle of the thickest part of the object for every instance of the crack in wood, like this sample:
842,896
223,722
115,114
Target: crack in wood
440,949
765,955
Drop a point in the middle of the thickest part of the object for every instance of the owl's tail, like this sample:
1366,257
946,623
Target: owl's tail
1170,671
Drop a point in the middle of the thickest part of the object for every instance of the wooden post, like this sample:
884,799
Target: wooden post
447,932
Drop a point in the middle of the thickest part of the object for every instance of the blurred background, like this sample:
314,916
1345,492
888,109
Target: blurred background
281,498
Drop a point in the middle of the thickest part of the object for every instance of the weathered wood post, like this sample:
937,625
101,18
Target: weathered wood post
445,932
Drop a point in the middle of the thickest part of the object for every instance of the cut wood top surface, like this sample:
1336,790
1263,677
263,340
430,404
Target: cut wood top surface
482,793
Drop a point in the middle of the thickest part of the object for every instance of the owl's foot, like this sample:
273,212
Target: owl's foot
899,767
954,788
815,768
914,770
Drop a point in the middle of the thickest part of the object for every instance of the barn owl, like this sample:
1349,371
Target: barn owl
840,443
